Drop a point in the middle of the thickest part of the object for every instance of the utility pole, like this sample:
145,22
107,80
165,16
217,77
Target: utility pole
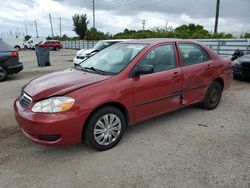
143,24
51,26
60,26
217,16
17,33
26,30
93,13
36,30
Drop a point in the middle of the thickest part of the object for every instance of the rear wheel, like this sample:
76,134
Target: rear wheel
57,48
212,97
3,73
105,128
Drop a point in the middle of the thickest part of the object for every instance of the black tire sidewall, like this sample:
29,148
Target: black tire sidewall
6,74
89,136
206,104
17,48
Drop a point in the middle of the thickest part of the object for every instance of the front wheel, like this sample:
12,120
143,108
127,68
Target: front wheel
212,97
3,73
105,128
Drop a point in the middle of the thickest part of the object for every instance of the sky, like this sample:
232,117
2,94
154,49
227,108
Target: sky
115,15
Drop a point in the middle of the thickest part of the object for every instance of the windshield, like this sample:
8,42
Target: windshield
113,59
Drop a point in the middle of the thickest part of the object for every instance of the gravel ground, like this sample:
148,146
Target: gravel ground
187,148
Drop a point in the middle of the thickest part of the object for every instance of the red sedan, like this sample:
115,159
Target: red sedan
51,44
122,85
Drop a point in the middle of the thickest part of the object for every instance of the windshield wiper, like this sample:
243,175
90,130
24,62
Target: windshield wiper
94,70
79,66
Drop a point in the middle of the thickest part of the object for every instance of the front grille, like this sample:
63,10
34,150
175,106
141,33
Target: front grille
245,64
25,100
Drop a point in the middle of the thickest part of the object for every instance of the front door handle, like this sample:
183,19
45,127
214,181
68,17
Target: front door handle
176,74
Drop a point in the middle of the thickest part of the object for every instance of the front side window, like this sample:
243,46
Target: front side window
114,59
192,54
161,58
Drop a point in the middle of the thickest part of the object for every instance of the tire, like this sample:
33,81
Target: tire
17,48
57,49
98,135
212,97
3,74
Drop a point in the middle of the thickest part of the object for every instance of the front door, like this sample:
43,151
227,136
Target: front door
159,91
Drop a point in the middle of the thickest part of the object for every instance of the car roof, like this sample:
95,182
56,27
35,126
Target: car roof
158,40
53,40
115,40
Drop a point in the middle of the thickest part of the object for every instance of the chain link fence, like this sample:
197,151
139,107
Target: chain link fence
224,47
79,44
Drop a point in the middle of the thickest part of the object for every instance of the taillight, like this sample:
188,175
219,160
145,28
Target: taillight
14,54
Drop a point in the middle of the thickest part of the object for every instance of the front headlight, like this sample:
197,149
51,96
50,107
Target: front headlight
236,62
53,104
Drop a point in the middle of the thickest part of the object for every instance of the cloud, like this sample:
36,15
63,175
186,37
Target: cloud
116,15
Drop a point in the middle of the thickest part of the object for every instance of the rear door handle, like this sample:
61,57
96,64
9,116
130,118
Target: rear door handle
209,66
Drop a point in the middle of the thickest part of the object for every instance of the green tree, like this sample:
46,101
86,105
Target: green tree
80,23
191,31
94,34
247,35
27,37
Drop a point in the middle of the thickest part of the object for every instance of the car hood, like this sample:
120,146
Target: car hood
245,58
60,83
85,52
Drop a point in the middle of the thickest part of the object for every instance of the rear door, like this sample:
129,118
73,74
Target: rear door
197,70
159,91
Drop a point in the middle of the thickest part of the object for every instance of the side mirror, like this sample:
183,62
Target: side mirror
143,69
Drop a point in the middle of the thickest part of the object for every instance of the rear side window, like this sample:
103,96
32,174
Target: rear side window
161,58
4,47
192,54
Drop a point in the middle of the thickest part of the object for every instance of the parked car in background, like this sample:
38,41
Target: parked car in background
81,55
122,85
52,44
9,61
32,42
241,65
16,43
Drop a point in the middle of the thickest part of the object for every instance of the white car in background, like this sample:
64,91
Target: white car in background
32,42
81,55
16,43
